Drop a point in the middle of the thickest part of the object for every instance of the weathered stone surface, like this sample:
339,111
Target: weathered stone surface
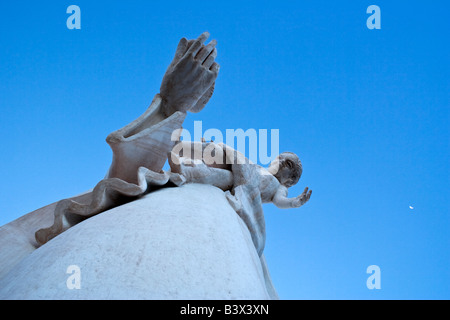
175,243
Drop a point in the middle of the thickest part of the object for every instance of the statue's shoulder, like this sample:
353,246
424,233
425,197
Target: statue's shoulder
268,185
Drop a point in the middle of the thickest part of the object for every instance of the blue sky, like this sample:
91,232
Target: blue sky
366,110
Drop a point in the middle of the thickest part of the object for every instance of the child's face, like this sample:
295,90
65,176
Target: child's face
284,176
285,169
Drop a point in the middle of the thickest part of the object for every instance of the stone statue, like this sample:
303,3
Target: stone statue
246,185
187,85
140,151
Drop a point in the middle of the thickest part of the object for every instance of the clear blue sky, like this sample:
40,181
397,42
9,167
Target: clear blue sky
366,110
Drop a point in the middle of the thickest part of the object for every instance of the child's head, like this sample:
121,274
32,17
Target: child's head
287,168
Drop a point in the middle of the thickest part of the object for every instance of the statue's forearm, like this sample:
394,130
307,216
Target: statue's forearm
283,202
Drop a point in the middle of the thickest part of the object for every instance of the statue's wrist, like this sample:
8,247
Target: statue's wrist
167,107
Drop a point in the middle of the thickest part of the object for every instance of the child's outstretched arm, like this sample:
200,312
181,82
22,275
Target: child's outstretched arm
281,200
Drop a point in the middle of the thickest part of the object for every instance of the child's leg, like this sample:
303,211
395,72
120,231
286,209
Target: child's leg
199,172
219,178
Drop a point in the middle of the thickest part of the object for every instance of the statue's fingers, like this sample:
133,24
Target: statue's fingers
204,52
196,46
202,38
210,60
181,49
189,44
215,68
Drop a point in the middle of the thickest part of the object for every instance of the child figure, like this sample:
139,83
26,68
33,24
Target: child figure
274,181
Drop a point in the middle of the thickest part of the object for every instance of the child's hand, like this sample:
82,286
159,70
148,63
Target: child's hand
302,199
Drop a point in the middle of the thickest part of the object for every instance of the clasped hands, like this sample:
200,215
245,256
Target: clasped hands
188,83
